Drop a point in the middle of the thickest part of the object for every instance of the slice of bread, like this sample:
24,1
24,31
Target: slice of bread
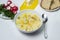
45,4
50,4
55,5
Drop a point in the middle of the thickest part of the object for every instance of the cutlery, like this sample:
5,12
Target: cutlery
45,28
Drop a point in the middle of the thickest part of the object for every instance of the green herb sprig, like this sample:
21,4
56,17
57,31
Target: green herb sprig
6,12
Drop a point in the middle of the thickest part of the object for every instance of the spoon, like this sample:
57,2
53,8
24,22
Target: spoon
45,29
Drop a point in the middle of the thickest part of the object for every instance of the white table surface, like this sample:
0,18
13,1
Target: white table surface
8,29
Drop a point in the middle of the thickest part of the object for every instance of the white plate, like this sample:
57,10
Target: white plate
32,12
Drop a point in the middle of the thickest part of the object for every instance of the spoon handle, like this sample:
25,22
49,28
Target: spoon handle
45,19
45,32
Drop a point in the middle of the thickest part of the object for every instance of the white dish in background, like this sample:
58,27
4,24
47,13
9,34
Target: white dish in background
56,9
4,17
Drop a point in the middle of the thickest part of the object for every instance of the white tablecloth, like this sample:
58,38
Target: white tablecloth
8,29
